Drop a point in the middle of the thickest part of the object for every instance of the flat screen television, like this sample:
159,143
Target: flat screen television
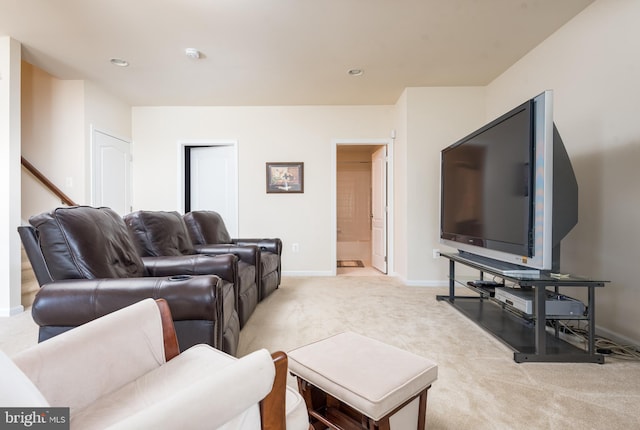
508,191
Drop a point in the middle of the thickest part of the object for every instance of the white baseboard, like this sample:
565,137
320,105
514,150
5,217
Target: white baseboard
307,273
9,312
433,283
436,283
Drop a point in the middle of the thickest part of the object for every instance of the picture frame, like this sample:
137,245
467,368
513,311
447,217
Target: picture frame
285,178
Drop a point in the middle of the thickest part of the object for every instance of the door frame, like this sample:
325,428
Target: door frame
388,142
93,154
182,145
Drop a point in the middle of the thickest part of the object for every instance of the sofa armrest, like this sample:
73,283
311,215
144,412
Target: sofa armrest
250,254
224,266
75,302
271,245
227,394
69,369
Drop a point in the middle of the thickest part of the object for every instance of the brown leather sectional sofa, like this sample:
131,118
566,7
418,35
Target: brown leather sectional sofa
88,265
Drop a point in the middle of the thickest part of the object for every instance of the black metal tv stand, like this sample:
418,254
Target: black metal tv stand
528,337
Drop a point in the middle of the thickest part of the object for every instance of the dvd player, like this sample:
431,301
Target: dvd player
524,300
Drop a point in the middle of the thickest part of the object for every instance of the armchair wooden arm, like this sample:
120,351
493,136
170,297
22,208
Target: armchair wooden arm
272,407
171,348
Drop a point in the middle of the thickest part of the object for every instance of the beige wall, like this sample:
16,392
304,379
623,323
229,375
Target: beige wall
302,133
105,112
400,187
57,116
52,138
592,65
436,117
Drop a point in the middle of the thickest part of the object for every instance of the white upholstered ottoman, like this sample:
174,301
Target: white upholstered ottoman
350,381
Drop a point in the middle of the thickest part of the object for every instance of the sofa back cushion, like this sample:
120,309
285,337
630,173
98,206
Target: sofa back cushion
159,233
206,228
86,242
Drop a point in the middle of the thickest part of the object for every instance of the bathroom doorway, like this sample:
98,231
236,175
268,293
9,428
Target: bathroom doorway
361,209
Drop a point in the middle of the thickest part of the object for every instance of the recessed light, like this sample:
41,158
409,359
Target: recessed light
355,72
119,62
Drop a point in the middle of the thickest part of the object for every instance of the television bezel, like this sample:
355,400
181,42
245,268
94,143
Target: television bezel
541,243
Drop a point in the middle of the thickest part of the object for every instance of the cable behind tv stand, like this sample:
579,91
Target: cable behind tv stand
527,337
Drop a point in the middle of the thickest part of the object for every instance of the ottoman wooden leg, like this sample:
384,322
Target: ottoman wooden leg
422,409
328,412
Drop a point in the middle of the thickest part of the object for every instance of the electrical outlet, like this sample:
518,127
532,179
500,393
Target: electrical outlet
295,247
436,253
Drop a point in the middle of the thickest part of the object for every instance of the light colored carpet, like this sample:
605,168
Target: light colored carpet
479,385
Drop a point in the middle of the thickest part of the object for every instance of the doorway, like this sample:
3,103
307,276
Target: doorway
210,180
361,209
110,172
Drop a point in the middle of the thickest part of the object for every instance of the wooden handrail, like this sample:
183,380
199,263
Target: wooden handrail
47,183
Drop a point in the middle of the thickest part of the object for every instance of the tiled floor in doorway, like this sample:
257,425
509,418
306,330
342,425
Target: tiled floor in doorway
358,271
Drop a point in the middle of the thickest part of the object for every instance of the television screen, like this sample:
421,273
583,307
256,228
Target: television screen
485,185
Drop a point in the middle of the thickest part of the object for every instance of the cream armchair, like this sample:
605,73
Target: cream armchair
125,371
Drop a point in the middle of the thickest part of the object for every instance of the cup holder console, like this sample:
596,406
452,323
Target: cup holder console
179,277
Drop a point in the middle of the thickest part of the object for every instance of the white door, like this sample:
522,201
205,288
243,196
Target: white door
214,182
379,209
111,176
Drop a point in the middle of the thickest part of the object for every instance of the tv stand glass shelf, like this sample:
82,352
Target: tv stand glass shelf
527,335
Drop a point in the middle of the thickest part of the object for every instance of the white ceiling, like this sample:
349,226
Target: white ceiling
279,52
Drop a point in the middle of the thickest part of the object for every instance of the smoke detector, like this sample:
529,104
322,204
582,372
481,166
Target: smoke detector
192,53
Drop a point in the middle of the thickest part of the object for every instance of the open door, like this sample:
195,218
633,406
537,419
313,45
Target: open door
379,209
211,182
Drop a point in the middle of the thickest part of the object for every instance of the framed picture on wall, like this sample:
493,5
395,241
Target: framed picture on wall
285,177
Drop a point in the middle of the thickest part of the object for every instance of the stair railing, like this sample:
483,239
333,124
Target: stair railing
47,183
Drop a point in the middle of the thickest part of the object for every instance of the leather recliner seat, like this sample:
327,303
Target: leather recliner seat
160,233
207,228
